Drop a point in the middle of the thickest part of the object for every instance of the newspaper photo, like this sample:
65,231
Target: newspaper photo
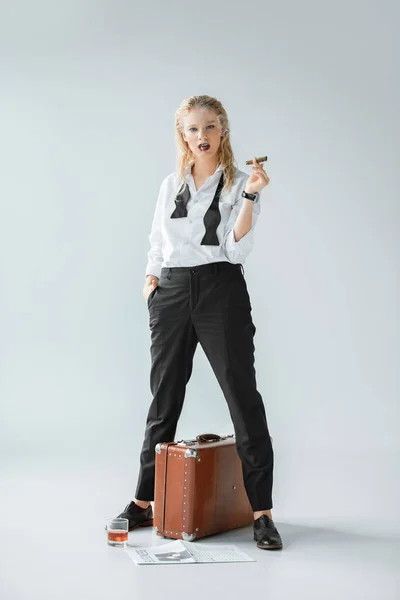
180,552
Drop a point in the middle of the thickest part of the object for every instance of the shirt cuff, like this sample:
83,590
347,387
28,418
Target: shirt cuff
153,269
240,248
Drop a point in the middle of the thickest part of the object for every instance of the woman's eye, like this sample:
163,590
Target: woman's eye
195,128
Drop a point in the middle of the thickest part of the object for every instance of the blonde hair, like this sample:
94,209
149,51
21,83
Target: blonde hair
185,156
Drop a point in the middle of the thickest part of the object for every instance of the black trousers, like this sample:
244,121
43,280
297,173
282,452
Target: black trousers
209,304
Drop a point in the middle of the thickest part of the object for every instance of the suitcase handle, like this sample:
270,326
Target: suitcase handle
208,437
214,437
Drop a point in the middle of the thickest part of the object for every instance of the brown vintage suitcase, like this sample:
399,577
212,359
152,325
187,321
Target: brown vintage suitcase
199,489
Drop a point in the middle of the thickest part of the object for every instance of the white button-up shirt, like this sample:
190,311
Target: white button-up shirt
177,242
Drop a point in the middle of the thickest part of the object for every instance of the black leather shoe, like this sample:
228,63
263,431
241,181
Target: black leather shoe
266,534
137,516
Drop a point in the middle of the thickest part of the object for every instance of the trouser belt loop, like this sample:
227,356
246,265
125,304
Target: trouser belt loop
242,267
216,268
169,273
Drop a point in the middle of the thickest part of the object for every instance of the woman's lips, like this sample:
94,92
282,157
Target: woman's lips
204,148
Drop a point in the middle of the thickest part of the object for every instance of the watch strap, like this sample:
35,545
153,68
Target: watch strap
252,197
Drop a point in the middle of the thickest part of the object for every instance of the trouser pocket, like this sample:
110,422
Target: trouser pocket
150,296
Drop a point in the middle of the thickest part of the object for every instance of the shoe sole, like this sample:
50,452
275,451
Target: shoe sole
143,524
268,546
271,547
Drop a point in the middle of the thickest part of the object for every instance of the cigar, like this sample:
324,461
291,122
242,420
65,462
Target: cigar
259,160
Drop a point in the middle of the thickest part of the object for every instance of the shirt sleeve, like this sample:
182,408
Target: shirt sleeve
237,252
155,254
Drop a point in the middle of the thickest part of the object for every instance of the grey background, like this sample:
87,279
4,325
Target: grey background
88,94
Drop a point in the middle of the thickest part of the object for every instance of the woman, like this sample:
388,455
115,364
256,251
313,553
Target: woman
202,232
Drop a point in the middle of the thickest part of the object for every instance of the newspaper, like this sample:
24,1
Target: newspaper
180,552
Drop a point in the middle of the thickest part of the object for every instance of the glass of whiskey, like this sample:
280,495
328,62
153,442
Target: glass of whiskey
117,532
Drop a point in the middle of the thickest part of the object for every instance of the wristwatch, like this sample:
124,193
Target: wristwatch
252,197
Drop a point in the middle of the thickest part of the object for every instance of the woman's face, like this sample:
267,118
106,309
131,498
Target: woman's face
201,126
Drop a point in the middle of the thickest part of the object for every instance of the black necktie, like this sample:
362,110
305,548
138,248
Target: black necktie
212,218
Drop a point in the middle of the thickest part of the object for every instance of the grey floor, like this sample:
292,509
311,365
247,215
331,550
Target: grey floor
53,546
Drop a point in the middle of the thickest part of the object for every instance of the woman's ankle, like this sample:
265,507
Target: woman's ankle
142,503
